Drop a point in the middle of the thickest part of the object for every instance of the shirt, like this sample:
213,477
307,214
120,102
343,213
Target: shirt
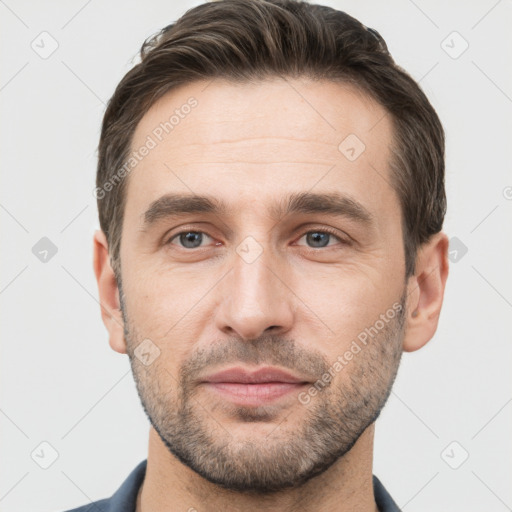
125,498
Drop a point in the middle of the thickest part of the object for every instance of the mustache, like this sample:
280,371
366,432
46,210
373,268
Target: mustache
269,349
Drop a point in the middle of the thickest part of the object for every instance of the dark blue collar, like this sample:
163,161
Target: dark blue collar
125,498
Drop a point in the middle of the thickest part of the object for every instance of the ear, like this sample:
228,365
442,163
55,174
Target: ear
109,293
425,292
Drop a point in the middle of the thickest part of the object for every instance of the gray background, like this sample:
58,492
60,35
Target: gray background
63,385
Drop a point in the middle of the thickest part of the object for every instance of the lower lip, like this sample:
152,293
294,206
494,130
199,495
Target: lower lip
254,394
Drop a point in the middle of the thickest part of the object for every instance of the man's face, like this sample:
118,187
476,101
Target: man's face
311,290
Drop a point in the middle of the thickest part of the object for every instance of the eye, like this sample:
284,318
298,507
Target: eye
316,239
190,239
319,239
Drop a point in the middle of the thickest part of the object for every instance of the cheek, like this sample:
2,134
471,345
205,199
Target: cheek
347,300
170,305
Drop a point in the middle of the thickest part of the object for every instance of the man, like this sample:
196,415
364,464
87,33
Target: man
271,198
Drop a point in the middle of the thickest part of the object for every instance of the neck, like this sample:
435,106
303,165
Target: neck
346,486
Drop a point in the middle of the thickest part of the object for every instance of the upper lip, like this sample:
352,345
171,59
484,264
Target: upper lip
245,376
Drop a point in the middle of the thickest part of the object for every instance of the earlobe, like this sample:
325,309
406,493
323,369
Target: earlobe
108,293
425,292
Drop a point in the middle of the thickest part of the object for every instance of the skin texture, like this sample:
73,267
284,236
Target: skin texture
299,305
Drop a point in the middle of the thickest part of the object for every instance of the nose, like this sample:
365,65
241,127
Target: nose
255,298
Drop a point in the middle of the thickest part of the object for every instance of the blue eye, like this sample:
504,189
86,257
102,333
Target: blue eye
316,239
320,239
190,239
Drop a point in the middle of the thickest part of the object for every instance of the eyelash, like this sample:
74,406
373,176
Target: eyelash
323,230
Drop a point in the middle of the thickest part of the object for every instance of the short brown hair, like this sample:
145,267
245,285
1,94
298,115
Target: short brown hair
248,40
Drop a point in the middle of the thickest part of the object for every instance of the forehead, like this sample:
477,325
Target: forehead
248,141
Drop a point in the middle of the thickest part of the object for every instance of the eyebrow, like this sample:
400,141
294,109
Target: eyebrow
333,203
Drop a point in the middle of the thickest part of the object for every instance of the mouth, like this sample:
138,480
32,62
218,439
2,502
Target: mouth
254,388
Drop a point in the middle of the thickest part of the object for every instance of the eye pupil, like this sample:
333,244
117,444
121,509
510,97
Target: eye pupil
317,238
192,236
